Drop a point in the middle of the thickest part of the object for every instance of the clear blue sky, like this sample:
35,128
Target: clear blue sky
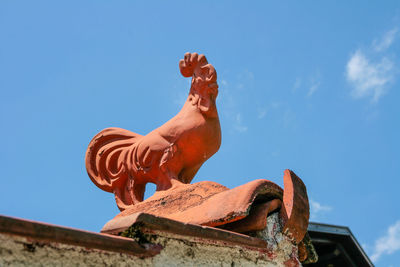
304,85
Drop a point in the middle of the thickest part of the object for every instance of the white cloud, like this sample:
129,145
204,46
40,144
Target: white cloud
365,246
368,78
275,104
289,118
388,243
261,113
316,209
264,110
246,75
224,83
296,84
231,95
238,126
315,83
386,41
245,80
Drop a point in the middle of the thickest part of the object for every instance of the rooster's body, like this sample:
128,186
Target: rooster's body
123,162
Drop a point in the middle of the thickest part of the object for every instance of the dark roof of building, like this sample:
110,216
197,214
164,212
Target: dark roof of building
336,246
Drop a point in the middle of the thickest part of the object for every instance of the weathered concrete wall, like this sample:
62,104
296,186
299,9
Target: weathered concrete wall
178,251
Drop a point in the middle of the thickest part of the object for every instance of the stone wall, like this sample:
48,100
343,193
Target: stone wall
177,250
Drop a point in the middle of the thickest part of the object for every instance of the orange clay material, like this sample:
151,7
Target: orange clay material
295,211
123,162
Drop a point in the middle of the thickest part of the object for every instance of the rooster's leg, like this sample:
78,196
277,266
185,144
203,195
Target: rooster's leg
136,191
164,185
164,182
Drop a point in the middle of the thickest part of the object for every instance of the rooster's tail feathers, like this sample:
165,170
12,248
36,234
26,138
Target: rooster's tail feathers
103,157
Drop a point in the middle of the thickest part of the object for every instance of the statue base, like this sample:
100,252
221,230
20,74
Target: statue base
242,209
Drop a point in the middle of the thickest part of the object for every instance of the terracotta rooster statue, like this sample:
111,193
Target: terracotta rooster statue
123,162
